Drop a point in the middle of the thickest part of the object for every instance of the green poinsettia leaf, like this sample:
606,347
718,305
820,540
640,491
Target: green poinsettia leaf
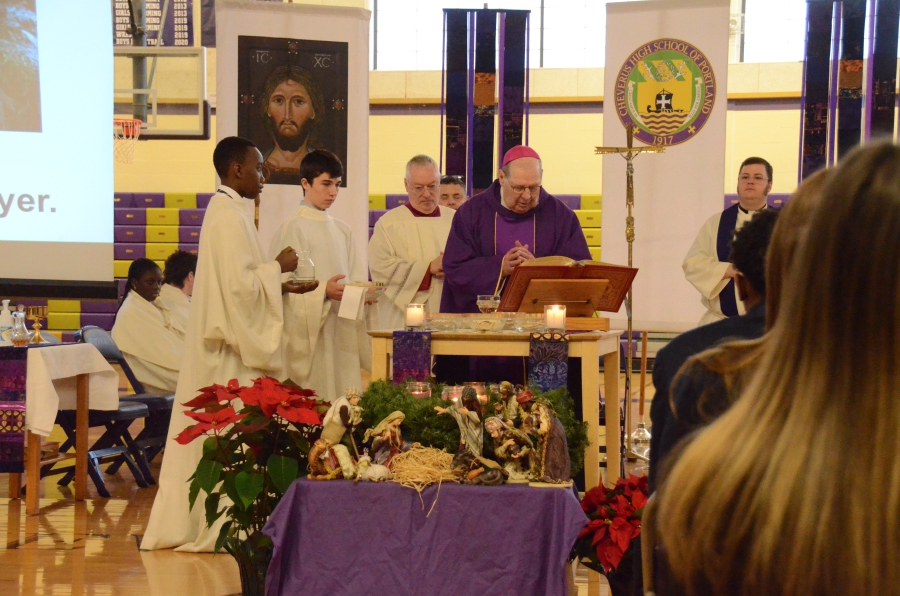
194,491
210,447
212,509
283,471
208,475
248,486
223,536
230,490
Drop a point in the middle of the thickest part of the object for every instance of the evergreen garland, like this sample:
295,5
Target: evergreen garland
424,425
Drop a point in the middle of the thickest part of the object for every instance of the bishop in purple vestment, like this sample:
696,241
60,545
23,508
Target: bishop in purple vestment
514,220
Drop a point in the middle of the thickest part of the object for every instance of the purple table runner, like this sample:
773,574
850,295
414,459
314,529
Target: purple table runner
548,361
13,372
340,538
412,356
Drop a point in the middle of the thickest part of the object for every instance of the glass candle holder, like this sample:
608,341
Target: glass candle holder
415,316
555,317
419,390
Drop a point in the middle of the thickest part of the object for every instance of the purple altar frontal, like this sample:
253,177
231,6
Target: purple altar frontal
340,538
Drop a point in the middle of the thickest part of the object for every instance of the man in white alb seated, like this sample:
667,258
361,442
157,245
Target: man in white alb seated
146,332
178,285
234,332
406,251
323,352
707,265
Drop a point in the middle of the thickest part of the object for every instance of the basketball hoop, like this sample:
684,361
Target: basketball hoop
125,134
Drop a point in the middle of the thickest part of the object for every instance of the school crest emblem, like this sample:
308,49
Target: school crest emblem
667,90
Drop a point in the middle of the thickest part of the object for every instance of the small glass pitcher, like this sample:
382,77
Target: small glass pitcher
19,336
306,269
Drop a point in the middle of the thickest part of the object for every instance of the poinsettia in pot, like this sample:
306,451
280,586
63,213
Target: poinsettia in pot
251,455
605,543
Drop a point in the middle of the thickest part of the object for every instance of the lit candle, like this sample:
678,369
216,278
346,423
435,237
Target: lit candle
415,315
555,316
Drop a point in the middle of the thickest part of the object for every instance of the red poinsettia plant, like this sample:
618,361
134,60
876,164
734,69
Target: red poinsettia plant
615,520
257,442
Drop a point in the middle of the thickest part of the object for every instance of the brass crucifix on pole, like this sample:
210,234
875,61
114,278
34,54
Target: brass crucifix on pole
628,154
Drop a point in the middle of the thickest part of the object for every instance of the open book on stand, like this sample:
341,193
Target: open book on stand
585,287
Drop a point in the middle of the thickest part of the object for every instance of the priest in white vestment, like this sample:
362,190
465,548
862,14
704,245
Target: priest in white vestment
407,246
178,285
146,332
707,266
234,332
323,352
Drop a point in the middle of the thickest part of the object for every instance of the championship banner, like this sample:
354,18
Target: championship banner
293,78
666,69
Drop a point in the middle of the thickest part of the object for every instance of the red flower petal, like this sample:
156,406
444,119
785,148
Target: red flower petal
191,433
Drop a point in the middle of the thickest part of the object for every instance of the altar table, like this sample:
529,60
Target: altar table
588,346
62,377
342,538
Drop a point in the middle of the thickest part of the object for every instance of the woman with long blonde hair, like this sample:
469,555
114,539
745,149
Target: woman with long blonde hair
795,491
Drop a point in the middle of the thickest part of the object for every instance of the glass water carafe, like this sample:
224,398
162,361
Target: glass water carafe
306,270
19,336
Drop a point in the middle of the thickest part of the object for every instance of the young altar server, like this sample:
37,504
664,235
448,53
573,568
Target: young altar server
178,285
406,251
234,333
323,351
147,333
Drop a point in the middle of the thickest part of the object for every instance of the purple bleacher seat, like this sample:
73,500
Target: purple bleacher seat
375,215
123,200
371,231
130,217
99,306
149,199
191,217
730,199
570,201
203,199
130,233
121,281
189,234
68,336
103,320
192,248
777,201
128,251
392,201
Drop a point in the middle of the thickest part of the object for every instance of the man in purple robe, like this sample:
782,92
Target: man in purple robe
494,232
514,220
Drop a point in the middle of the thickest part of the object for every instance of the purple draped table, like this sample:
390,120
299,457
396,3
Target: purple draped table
340,538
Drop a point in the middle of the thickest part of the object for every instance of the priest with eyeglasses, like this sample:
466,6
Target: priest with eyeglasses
511,222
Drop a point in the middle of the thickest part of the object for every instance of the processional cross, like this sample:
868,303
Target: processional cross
629,153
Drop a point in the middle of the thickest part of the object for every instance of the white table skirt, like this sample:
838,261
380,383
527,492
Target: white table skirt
50,385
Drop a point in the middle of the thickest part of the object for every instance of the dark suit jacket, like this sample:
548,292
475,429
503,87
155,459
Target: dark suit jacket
670,359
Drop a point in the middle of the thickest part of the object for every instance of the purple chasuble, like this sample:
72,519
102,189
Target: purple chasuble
509,231
474,253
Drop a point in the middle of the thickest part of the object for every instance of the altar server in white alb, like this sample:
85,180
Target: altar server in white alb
406,251
323,351
150,337
707,265
234,332
178,285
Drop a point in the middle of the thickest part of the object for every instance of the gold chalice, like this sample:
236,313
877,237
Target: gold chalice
35,314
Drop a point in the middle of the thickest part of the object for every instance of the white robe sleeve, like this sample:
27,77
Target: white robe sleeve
370,313
248,314
304,314
701,266
402,278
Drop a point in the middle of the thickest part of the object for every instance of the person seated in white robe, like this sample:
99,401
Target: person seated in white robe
178,285
234,332
146,332
323,351
406,251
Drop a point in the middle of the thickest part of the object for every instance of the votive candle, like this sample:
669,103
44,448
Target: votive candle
415,315
555,316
